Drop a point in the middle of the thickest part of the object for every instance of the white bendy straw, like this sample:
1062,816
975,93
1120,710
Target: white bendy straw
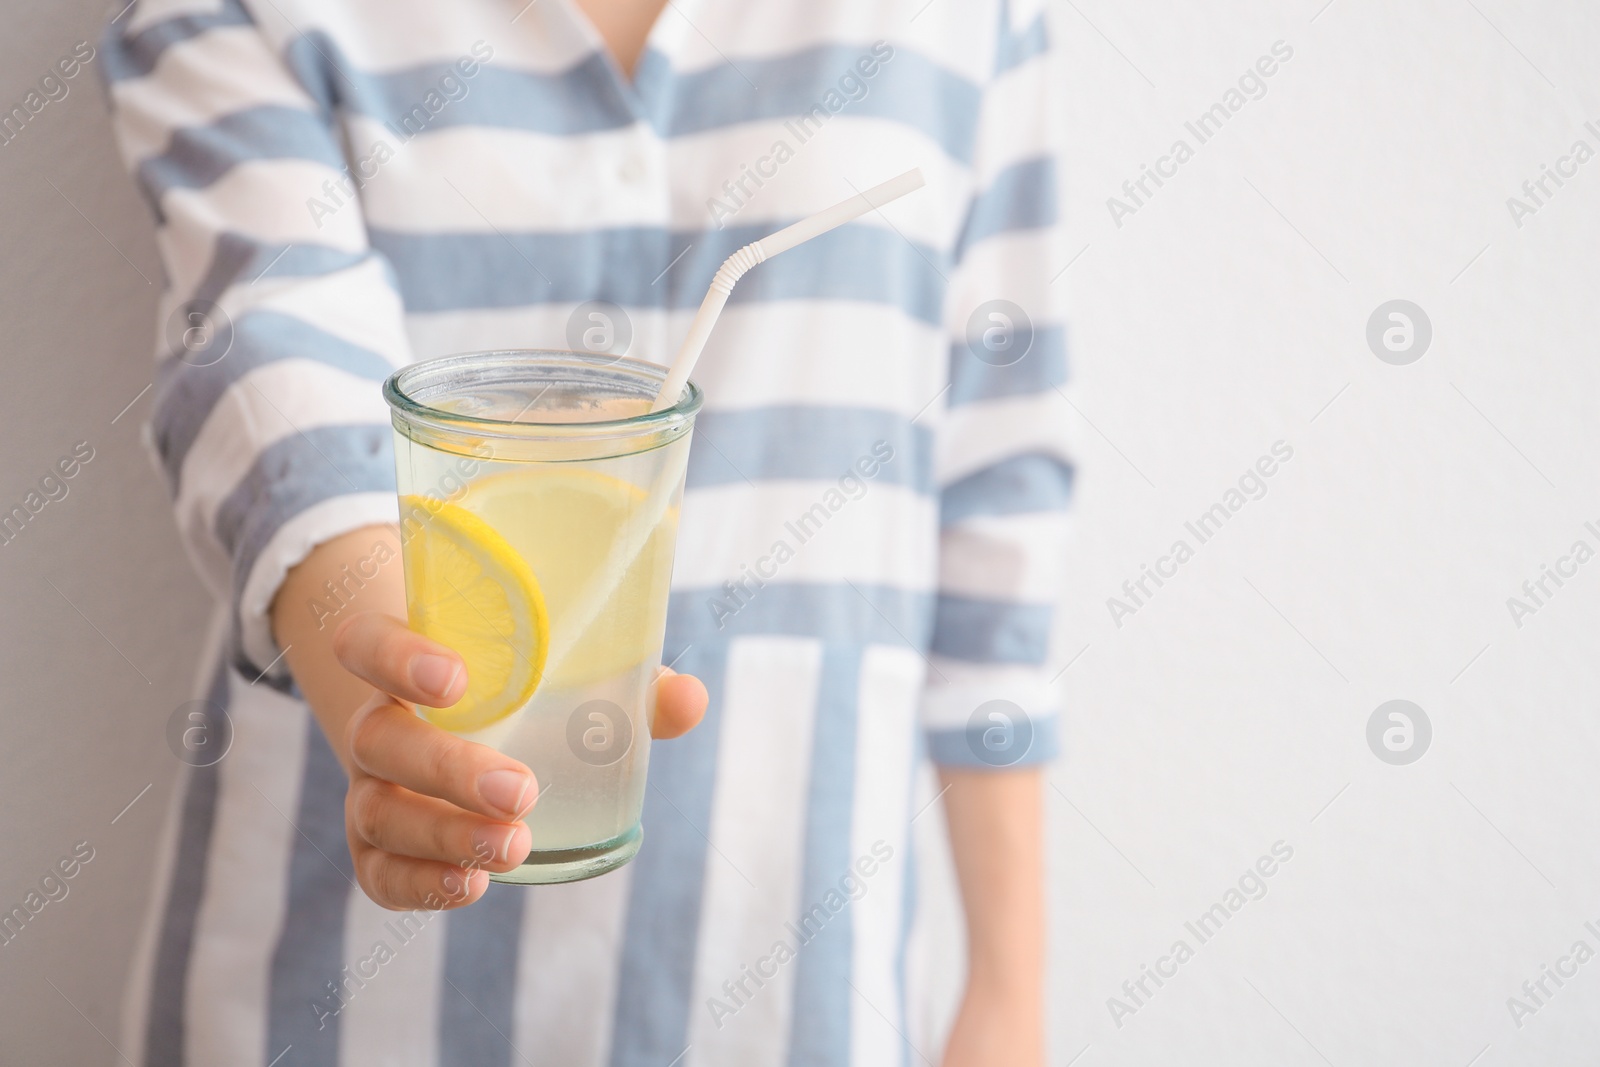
735,266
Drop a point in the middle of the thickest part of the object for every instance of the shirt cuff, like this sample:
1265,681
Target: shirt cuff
288,546
990,716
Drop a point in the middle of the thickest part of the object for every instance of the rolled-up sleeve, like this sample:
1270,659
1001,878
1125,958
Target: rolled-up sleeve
278,321
1003,462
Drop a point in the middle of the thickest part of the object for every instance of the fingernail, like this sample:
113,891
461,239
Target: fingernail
434,674
493,844
506,790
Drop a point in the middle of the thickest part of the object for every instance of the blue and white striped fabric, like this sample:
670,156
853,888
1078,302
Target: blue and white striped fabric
504,173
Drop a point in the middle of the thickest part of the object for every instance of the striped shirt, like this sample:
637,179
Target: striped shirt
344,186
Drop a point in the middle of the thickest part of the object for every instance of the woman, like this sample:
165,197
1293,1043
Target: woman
344,187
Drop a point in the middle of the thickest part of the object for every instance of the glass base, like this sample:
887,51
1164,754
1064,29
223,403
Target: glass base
548,866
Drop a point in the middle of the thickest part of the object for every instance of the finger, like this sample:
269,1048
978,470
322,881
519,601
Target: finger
382,650
388,741
680,703
393,819
403,883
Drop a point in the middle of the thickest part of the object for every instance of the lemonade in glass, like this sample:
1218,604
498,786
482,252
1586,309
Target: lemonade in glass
539,502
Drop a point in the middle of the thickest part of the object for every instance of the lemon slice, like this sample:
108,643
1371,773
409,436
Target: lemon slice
564,521
469,590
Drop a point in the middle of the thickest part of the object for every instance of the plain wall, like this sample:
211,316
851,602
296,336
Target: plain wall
1228,712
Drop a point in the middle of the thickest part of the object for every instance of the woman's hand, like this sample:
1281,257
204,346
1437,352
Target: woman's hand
429,814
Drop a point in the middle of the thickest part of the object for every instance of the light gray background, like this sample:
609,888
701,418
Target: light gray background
1230,712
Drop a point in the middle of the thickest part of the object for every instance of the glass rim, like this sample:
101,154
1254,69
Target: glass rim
406,406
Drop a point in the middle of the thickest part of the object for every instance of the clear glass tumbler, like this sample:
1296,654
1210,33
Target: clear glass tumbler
539,503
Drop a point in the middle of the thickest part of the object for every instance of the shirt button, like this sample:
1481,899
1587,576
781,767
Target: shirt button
631,172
